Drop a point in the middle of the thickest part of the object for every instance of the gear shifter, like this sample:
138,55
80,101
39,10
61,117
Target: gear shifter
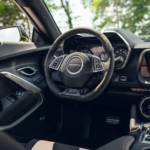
146,138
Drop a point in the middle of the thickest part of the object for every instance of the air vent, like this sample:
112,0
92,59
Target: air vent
145,107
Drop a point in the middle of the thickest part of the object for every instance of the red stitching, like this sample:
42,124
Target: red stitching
126,142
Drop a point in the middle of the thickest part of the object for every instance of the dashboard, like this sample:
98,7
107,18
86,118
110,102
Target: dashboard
129,49
119,92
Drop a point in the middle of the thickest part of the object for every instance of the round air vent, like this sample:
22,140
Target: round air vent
145,107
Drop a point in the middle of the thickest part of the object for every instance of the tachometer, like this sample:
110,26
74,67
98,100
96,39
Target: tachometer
122,54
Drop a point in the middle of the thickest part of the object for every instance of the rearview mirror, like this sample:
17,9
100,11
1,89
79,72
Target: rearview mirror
13,34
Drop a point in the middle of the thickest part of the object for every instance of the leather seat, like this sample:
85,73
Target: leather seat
123,143
7,143
47,145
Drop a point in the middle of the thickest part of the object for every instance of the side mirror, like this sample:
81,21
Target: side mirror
13,34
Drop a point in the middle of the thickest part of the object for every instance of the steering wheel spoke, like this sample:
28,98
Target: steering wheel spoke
106,66
56,63
97,64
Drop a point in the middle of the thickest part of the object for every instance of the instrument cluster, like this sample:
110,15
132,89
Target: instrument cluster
120,53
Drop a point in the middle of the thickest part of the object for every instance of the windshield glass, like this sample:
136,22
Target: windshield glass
131,15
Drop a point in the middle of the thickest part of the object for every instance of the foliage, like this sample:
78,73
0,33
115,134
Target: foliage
10,14
133,15
64,5
137,17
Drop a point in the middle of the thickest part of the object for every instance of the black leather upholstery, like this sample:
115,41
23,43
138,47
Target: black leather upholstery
56,146
7,143
123,143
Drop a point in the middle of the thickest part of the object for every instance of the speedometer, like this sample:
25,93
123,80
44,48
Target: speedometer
121,53
100,52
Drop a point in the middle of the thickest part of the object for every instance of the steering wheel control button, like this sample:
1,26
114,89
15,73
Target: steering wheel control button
98,66
56,62
73,91
74,65
59,59
123,78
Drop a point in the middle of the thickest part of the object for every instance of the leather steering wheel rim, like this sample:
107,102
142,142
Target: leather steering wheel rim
108,66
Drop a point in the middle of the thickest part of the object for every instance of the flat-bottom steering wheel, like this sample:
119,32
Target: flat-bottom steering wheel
78,68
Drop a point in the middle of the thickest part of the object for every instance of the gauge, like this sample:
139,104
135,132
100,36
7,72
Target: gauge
103,56
100,52
86,51
122,54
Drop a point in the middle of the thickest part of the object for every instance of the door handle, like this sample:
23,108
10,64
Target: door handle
27,71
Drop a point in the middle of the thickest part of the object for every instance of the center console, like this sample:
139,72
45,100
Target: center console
145,136
140,124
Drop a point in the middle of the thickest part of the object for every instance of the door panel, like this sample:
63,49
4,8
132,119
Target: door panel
43,115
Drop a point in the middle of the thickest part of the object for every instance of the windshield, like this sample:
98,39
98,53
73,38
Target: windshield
132,15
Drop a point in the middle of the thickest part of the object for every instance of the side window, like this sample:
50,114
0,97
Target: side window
14,25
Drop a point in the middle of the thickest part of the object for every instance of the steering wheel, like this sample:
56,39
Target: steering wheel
79,70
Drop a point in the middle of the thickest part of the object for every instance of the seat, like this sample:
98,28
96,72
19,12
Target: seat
123,143
47,145
7,143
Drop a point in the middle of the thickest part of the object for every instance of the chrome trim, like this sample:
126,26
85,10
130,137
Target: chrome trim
93,56
29,112
111,120
59,63
141,107
55,56
79,69
127,44
27,74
